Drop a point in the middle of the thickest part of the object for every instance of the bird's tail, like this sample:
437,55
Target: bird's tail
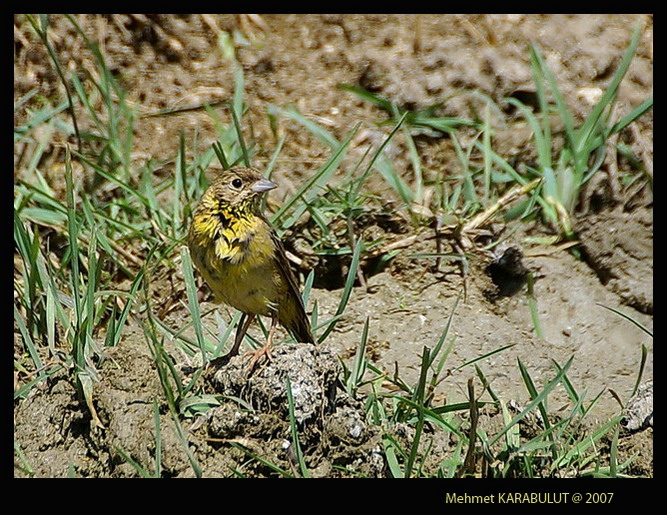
293,317
300,329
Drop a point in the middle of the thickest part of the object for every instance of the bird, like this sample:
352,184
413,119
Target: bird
242,259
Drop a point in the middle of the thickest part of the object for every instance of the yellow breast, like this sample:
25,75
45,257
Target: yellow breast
237,262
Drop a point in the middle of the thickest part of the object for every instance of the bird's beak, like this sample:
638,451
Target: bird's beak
263,185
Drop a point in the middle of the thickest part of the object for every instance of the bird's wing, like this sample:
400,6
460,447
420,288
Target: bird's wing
300,327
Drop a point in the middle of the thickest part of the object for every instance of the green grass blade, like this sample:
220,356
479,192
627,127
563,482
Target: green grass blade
320,133
537,400
309,189
263,461
542,73
532,305
571,390
294,431
359,365
580,448
628,318
541,133
363,94
530,386
487,355
384,167
136,466
637,112
193,302
158,439
24,466
239,134
441,341
27,339
41,29
587,130
347,291
419,401
390,449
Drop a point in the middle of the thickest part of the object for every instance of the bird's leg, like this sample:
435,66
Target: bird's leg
266,350
242,328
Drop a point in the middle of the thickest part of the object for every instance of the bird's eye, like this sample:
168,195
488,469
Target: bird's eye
237,183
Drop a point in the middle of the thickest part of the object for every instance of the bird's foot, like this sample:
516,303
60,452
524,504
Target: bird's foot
256,357
221,361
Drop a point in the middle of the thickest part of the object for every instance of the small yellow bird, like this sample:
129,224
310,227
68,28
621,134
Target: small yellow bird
242,259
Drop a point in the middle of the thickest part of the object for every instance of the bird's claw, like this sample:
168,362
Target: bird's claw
255,357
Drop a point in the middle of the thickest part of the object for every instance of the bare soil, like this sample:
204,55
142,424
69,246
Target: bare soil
415,60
